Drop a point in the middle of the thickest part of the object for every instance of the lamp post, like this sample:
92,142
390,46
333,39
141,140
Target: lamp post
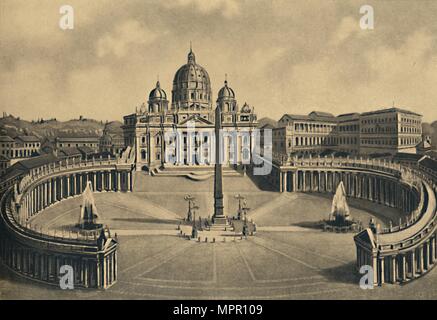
190,199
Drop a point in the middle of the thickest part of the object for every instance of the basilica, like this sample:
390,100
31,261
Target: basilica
182,133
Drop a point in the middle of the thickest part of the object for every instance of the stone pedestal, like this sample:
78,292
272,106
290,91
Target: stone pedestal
220,220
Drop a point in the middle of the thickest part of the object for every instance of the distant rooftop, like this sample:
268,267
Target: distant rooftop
429,163
6,139
321,114
77,138
356,114
313,116
69,152
38,161
403,156
390,110
28,138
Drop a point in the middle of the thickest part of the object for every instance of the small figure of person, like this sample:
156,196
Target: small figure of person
194,233
245,230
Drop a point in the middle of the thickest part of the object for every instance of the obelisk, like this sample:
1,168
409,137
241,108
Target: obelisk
218,216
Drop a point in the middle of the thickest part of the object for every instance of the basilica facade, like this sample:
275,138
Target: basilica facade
181,133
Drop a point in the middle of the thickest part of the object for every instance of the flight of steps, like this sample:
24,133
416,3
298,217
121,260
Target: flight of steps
221,227
194,173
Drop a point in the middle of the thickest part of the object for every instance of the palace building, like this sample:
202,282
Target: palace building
20,147
390,130
381,132
300,133
181,133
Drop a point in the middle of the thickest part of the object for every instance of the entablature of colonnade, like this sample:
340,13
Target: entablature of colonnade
351,170
60,172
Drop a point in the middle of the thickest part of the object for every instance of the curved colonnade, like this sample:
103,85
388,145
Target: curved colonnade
398,253
34,254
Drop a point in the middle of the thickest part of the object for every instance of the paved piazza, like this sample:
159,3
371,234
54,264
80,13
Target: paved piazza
287,259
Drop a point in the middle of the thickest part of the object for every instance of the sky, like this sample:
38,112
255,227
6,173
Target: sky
281,56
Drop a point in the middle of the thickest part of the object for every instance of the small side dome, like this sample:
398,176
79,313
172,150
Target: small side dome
226,92
157,93
246,108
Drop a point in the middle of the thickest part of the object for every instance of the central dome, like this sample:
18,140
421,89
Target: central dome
191,86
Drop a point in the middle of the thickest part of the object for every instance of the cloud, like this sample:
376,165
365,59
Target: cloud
228,8
129,34
94,92
29,89
276,58
368,80
348,27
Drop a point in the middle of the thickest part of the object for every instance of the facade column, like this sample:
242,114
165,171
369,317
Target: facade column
319,180
33,201
393,269
85,274
61,187
426,255
420,257
118,181
382,270
110,181
130,177
50,185
433,249
404,268
104,177
79,182
294,181
76,188
68,186
55,191
43,195
413,263
284,180
45,192
37,199
326,181
311,181
375,270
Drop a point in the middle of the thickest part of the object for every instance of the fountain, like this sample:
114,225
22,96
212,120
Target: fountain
339,219
88,212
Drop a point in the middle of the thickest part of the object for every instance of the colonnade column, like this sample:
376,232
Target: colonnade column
393,269
118,174
404,268
110,181
284,180
420,258
413,263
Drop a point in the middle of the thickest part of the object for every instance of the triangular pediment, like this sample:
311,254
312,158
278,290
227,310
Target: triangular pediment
196,119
